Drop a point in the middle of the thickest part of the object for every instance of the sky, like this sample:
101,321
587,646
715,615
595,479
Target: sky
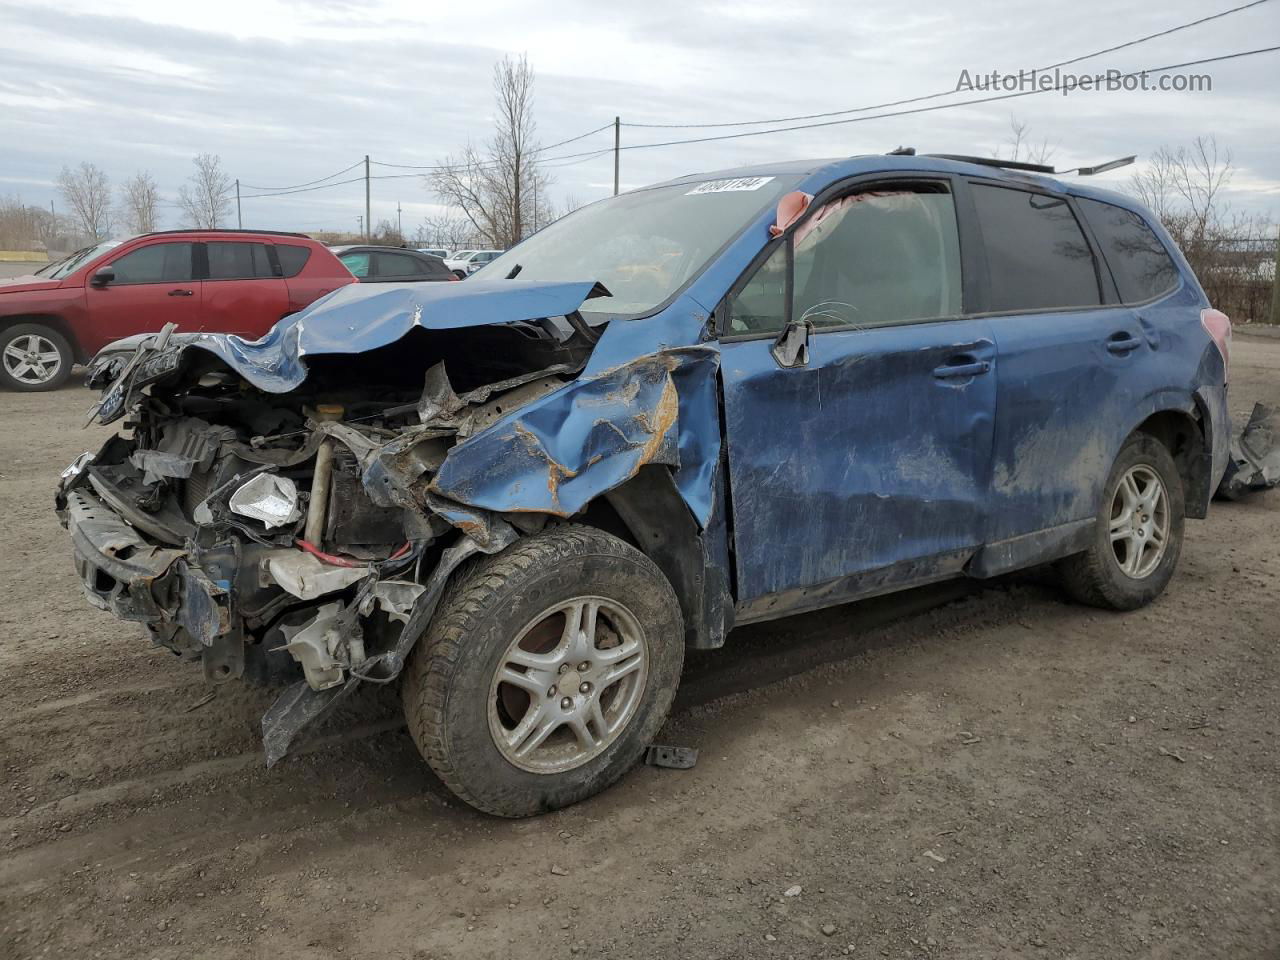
290,91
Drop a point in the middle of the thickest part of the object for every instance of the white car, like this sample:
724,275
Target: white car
466,262
440,252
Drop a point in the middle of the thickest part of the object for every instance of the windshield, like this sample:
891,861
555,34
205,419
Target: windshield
643,246
69,265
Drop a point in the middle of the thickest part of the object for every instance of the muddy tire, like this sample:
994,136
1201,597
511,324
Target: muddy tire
546,672
34,358
1137,537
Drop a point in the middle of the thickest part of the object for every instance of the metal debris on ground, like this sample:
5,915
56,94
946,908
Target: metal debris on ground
1255,456
672,758
207,698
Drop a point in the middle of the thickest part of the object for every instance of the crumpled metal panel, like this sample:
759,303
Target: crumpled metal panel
560,452
360,317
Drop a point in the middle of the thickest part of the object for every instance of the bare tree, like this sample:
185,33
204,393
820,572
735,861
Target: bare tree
387,234
1020,146
87,192
206,196
501,190
1183,186
1231,253
451,231
139,203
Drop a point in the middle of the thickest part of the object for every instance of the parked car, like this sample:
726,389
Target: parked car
374,264
466,262
225,281
434,252
724,399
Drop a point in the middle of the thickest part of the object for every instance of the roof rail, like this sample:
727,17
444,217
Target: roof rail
996,162
270,233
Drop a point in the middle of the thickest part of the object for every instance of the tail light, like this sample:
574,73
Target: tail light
1218,325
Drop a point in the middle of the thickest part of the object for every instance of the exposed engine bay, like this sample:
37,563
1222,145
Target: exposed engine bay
268,535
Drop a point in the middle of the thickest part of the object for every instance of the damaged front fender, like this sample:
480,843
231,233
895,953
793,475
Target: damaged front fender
560,452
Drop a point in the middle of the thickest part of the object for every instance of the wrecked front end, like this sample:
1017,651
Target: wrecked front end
291,510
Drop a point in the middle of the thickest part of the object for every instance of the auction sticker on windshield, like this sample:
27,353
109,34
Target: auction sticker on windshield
730,186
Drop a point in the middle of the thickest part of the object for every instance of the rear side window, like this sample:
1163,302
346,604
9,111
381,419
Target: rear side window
1138,260
155,263
398,265
292,258
238,261
1036,252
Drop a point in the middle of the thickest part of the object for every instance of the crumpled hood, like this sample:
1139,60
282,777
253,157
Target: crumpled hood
358,317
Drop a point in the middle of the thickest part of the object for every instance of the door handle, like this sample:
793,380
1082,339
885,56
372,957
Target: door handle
182,293
1122,343
956,371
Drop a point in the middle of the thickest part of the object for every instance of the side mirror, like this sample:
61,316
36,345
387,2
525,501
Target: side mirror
791,349
104,275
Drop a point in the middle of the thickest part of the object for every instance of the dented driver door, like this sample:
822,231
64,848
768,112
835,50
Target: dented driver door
860,461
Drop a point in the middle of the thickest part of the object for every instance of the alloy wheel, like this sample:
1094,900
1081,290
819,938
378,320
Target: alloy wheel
31,359
1140,522
568,685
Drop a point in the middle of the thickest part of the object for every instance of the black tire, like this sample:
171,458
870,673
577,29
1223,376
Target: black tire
16,337
1095,576
460,274
449,679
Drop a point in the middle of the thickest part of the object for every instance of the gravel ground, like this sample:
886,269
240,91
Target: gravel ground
954,772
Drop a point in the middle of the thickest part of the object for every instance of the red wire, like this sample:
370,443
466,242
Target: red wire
336,561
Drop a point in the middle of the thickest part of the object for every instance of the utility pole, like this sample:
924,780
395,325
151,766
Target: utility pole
399,224
617,148
239,218
368,224
1275,287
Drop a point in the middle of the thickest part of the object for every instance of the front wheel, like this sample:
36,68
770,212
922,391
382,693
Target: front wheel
1137,536
34,357
546,672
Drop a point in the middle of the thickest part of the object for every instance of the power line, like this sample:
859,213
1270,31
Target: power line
942,106
250,186
947,93
322,186
442,166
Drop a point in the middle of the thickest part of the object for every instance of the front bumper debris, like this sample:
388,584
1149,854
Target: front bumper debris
121,573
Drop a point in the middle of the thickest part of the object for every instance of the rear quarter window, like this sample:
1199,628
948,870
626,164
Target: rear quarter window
238,261
292,258
1037,254
1139,262
435,269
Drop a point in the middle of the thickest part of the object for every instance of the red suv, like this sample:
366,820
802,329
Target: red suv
223,281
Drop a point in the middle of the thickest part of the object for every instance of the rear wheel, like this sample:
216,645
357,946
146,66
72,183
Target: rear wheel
460,274
1137,536
34,357
546,672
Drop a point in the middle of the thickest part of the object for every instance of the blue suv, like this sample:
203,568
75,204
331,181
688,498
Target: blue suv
718,400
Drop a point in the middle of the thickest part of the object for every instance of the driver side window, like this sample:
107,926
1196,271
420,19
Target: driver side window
876,258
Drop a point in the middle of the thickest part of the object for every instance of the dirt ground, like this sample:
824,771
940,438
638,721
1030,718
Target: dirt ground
955,772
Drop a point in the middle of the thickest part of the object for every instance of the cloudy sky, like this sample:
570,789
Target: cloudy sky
289,91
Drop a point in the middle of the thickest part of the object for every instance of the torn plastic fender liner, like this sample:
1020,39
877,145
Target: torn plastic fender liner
361,317
561,451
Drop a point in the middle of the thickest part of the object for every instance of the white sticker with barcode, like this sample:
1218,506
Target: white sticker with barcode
729,186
